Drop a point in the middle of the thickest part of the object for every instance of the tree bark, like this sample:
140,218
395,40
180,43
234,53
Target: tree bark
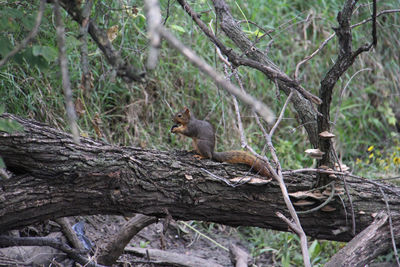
55,177
358,251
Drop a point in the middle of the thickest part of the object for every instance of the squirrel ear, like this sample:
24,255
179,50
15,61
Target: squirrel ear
186,110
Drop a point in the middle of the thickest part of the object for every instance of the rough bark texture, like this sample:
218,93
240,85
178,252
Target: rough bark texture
358,252
113,248
54,177
161,257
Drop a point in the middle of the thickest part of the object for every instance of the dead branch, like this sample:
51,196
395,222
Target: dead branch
66,83
70,233
76,255
86,83
239,257
170,258
367,245
115,247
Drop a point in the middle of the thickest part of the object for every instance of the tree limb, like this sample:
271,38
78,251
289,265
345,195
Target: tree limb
55,177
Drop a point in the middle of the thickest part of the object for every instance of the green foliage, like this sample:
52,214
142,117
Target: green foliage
284,247
7,125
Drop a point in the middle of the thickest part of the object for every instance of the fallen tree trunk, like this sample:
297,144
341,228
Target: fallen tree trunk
54,177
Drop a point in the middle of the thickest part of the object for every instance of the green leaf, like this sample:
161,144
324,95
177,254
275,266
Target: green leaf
2,109
5,46
10,126
28,21
314,249
178,28
48,52
27,55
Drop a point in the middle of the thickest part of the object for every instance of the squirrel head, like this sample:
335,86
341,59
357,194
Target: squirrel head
182,117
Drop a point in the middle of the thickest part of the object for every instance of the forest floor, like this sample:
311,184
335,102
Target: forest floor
178,239
206,242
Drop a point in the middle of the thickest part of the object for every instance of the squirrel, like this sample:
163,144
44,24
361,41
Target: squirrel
203,135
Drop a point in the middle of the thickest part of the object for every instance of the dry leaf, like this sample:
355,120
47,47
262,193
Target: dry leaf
97,124
79,107
112,33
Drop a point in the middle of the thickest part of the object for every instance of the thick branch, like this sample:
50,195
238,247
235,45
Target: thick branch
56,177
359,248
115,247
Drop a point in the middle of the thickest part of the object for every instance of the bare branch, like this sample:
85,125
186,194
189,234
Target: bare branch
322,45
69,103
271,133
342,94
162,257
8,241
28,38
396,255
70,233
115,246
154,20
86,83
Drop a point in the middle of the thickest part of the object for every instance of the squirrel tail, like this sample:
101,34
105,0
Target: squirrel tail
242,157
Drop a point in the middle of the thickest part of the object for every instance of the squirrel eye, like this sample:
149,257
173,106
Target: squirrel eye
179,115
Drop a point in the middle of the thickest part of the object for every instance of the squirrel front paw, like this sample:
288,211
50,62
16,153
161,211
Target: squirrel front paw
177,128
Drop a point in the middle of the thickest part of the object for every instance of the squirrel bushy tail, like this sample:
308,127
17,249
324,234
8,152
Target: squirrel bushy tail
243,157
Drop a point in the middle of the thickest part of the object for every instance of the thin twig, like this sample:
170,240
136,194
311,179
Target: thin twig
342,94
29,37
83,32
167,15
373,17
378,15
396,255
69,103
323,204
322,45
353,216
271,133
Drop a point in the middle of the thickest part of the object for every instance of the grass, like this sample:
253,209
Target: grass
140,114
